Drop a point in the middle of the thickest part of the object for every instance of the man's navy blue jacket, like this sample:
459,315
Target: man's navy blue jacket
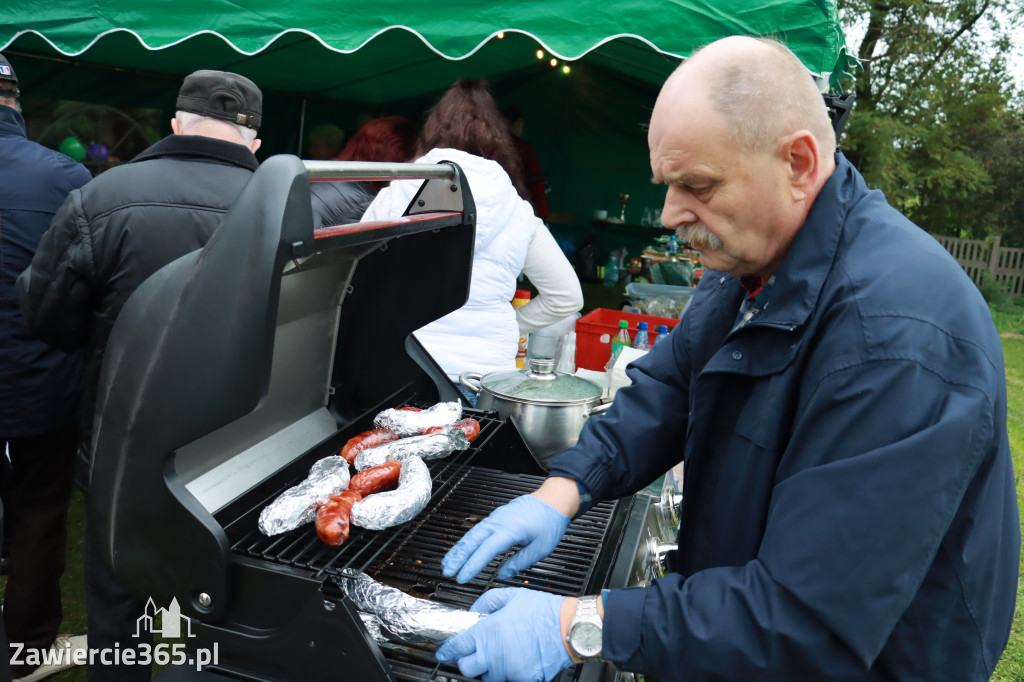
849,509
40,387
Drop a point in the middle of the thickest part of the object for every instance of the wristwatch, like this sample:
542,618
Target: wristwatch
584,636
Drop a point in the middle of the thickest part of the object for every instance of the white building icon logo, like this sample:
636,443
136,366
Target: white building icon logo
170,621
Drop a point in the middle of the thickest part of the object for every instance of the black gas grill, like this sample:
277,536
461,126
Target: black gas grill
231,371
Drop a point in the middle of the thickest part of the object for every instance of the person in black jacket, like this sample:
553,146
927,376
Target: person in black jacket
390,138
105,240
40,392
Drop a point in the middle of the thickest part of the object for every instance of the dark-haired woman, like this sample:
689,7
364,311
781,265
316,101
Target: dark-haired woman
391,138
466,127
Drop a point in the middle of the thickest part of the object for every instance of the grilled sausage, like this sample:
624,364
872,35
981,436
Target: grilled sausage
366,439
384,510
332,518
469,426
376,478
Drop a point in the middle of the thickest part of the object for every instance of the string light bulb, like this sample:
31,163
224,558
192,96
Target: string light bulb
553,62
501,34
565,68
540,54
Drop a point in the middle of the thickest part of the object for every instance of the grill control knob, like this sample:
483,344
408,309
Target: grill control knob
205,600
670,509
660,558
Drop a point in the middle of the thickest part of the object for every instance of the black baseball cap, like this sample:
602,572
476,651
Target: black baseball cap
223,95
7,71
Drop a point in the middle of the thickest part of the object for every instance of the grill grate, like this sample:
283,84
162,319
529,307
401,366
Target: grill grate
409,556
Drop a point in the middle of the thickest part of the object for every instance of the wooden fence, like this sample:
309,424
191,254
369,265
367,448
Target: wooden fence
978,257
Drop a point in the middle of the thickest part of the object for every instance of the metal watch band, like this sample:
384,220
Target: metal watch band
586,612
586,608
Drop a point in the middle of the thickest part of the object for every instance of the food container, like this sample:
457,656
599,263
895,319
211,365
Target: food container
549,407
594,332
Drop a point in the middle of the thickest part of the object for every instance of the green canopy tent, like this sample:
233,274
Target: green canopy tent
320,61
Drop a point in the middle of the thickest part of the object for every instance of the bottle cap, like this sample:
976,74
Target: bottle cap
623,324
522,293
662,328
641,325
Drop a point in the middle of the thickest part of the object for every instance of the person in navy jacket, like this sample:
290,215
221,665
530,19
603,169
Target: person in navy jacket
40,387
836,391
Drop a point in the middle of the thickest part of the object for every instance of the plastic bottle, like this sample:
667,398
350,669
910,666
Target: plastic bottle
662,333
611,272
640,342
619,341
672,249
521,298
567,362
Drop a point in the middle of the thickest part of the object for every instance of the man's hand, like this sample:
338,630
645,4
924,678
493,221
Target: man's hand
529,520
521,640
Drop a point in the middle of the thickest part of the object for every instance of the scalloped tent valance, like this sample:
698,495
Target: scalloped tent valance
369,51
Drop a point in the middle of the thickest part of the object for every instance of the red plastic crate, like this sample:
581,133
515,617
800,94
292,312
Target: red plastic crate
594,332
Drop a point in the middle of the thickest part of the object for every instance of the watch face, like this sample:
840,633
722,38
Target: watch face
585,639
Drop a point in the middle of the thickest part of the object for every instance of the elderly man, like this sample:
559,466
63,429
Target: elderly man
837,392
111,235
40,392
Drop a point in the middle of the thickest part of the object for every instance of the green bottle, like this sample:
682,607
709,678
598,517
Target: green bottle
619,341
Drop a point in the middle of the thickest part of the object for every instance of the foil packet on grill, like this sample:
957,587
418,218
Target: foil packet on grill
408,423
297,505
384,510
430,446
372,626
402,617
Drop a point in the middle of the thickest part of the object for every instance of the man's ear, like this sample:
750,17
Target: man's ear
176,126
801,152
255,144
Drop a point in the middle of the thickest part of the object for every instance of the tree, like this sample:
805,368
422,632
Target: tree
934,106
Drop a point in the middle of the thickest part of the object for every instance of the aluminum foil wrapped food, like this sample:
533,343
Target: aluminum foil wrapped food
383,510
297,505
407,422
372,625
401,616
431,446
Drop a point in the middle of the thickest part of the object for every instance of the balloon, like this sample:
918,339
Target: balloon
96,153
70,146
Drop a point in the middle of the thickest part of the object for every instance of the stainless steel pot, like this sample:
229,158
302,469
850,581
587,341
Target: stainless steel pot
549,407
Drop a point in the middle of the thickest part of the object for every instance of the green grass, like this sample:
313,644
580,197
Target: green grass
1011,665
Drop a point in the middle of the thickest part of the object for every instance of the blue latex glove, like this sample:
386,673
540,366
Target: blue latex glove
521,639
526,520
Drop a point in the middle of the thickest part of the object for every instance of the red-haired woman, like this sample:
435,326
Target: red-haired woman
465,126
391,138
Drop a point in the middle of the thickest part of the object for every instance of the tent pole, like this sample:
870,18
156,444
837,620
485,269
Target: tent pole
302,126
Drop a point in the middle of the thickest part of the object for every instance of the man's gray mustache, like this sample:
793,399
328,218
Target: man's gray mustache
699,236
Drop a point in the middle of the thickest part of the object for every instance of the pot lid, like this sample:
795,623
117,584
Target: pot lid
541,384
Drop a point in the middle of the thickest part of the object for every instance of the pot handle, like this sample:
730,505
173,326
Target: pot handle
465,378
599,409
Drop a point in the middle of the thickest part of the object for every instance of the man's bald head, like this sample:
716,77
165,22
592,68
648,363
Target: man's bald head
741,138
759,86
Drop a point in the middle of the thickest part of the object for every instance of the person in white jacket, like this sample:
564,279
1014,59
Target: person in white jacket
466,127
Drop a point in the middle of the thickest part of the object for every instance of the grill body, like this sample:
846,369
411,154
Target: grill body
232,370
